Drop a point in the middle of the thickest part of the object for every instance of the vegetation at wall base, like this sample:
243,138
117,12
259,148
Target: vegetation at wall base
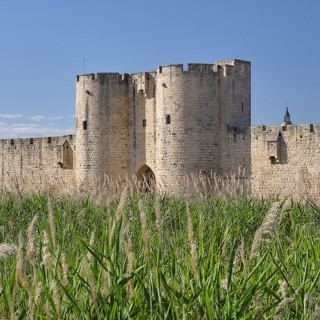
149,256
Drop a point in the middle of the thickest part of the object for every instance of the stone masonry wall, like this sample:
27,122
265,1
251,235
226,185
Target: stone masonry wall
236,150
285,160
37,163
142,124
187,117
102,121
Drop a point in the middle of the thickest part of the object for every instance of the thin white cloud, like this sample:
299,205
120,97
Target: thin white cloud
28,130
37,118
55,118
41,118
11,115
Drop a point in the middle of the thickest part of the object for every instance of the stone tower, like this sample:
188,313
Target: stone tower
168,123
194,109
102,103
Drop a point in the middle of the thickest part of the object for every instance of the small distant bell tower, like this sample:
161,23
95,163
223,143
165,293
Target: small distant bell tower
286,118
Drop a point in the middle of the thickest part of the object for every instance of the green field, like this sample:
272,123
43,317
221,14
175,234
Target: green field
155,257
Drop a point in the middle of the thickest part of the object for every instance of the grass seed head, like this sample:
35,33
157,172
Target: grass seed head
31,249
192,243
52,226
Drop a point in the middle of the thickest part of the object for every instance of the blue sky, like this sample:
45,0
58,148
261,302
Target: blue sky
44,43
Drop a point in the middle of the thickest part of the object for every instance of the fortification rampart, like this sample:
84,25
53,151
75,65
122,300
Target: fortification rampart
35,163
167,124
285,160
236,151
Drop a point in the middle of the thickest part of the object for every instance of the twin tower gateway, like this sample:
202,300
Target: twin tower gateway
167,124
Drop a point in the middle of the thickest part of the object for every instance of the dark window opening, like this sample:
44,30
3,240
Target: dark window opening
31,140
78,78
300,136
168,119
160,69
84,125
49,139
12,142
144,122
273,160
311,127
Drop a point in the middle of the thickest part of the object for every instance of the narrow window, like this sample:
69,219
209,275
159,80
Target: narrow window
168,119
144,123
273,160
12,142
31,140
84,125
49,139
78,78
160,69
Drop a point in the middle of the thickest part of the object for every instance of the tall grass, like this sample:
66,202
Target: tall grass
149,256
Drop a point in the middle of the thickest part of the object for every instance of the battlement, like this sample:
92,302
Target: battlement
290,129
44,141
201,68
105,77
165,70
179,69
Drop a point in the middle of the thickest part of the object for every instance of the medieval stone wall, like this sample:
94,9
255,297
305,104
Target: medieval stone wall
285,160
102,121
169,123
236,150
142,125
37,163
